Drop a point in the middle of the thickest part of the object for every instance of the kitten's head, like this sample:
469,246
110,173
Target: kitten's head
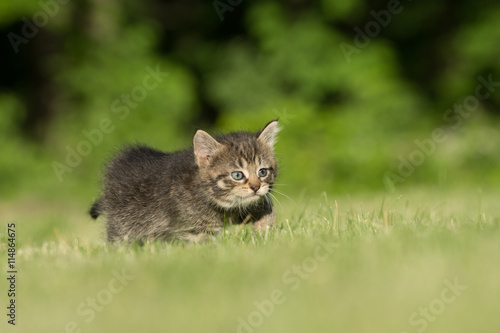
237,169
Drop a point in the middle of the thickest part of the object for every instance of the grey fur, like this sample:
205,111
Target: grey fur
189,194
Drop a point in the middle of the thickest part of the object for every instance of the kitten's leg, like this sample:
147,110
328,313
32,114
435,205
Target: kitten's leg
111,229
264,222
196,238
201,236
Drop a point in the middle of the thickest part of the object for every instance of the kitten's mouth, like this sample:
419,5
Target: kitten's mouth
251,197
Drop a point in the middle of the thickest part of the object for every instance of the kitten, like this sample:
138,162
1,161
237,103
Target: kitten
192,193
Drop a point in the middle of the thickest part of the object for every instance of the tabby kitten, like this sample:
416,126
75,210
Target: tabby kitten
192,193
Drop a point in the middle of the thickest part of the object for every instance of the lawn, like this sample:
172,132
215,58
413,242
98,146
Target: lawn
422,261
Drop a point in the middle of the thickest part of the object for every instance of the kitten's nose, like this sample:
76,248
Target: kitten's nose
255,187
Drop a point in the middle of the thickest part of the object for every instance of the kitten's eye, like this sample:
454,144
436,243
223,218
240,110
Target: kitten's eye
237,175
262,172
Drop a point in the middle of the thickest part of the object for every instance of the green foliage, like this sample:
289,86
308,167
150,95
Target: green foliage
348,120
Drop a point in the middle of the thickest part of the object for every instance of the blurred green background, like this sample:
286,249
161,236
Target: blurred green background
354,83
379,101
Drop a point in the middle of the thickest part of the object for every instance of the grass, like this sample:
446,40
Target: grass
365,263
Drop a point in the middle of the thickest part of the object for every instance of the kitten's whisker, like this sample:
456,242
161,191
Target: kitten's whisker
279,203
239,205
283,194
268,200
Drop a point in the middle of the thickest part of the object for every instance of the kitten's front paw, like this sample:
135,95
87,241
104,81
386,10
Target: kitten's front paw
264,223
202,237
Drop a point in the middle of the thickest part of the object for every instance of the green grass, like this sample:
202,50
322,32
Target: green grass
388,258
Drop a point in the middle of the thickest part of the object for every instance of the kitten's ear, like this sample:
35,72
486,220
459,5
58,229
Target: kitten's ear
204,147
269,135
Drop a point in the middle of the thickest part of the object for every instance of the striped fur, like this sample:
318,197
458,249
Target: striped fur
190,194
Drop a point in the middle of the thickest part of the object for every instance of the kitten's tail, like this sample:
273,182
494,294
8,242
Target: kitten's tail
95,210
